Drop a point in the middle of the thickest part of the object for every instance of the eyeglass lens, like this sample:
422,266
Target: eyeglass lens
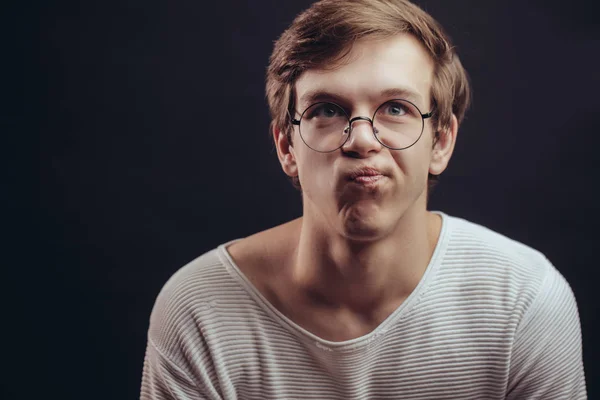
324,126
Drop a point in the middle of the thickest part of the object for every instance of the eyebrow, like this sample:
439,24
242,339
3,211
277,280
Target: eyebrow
403,93
315,96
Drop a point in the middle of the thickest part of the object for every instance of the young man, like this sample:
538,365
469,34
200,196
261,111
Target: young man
368,295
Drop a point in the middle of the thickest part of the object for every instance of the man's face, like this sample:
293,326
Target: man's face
374,69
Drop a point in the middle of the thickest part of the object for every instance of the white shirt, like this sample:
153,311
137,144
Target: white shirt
490,319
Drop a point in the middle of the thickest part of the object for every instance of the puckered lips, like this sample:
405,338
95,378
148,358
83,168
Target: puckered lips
365,175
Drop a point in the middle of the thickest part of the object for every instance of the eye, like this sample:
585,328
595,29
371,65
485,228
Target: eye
324,110
398,111
395,109
330,111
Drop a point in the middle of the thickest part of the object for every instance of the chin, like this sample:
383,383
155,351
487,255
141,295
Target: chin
365,225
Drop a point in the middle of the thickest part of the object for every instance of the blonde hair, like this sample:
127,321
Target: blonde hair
323,35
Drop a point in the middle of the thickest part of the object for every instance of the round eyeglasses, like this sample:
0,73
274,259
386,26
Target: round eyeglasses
397,124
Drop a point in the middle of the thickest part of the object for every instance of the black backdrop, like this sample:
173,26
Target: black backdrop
152,131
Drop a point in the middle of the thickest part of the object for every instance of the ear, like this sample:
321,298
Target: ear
285,152
443,148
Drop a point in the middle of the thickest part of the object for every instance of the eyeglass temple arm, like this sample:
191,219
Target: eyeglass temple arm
295,121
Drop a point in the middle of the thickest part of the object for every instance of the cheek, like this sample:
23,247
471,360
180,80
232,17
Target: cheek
414,164
315,172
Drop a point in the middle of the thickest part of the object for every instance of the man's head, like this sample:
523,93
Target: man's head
322,35
356,51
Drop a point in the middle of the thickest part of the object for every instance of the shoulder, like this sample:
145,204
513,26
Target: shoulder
187,294
191,281
219,286
469,241
523,299
490,265
265,255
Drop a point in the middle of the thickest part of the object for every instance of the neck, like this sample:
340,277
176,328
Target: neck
360,276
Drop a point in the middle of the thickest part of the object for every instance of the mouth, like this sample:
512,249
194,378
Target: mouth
367,179
365,176
363,173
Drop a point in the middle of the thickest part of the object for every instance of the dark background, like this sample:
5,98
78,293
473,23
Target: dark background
150,132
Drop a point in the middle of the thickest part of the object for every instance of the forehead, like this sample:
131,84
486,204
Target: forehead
374,70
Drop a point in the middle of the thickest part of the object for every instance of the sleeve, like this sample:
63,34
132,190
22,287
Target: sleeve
177,363
546,358
162,379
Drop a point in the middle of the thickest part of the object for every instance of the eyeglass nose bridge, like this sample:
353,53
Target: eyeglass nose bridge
348,129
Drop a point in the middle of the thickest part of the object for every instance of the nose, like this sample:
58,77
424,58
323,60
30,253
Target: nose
362,137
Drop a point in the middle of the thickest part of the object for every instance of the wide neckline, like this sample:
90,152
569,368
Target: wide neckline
351,344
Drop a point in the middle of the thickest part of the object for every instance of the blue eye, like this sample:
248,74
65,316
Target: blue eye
395,109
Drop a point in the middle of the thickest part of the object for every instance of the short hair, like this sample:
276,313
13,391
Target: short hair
323,35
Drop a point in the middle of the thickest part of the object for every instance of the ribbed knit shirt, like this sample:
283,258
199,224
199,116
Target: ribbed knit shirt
491,318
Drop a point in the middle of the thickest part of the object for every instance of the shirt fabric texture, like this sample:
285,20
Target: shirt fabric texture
490,319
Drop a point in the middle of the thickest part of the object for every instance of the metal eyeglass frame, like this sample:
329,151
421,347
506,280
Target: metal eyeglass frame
361,118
